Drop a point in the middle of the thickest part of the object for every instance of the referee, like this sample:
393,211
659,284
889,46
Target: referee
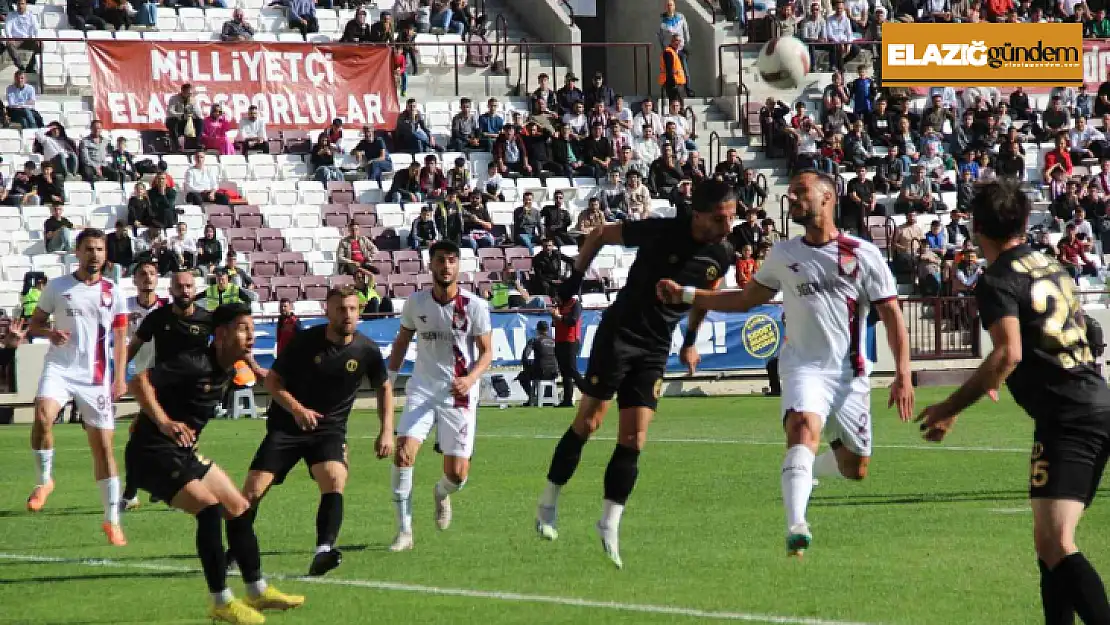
629,351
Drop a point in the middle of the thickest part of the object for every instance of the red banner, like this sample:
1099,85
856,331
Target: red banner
296,86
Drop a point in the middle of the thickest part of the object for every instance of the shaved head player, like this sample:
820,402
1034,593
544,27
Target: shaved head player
829,280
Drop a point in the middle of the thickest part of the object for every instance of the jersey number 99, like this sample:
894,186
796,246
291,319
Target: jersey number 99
1064,331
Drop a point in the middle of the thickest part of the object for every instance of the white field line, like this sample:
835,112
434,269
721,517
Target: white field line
737,441
707,441
514,597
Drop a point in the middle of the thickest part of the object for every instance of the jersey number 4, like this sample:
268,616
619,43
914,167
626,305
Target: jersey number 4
1064,331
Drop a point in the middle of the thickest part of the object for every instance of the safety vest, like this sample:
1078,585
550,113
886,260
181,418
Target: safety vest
31,301
213,299
499,295
676,63
244,377
367,295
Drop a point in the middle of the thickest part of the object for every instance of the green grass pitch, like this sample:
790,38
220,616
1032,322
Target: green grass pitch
936,534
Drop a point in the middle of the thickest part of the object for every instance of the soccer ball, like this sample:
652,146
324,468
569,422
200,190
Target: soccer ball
783,62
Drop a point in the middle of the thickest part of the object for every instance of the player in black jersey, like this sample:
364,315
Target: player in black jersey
174,329
1028,304
178,397
314,382
629,353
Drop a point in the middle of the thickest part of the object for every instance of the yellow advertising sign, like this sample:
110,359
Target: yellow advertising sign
981,54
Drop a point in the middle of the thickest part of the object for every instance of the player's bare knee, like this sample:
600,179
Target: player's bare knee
405,456
633,440
799,430
854,471
235,505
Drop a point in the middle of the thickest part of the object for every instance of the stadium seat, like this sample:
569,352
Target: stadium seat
286,287
315,287
292,264
264,264
271,240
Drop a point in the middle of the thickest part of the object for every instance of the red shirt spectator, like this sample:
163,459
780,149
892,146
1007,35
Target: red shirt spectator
997,9
288,325
1059,156
357,254
568,327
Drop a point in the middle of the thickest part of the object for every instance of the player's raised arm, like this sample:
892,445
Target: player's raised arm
729,300
608,234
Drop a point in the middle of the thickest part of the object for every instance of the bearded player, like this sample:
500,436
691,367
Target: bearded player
453,330
314,382
89,336
829,281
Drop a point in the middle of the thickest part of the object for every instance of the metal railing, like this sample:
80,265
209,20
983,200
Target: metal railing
692,121
569,8
715,147
649,91
524,61
942,327
709,6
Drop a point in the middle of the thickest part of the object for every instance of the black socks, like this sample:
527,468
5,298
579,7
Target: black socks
620,474
210,548
565,460
329,517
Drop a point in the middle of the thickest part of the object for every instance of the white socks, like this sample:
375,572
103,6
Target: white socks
109,496
402,497
445,488
255,589
223,597
797,483
323,549
826,466
45,460
550,496
611,514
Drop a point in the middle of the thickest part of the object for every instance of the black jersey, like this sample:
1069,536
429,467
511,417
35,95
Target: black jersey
189,386
667,249
172,334
1056,378
325,377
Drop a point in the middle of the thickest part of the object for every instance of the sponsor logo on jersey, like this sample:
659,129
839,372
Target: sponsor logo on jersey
352,365
711,273
794,267
810,289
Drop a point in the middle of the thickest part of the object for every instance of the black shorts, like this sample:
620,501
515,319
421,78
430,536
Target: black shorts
281,451
632,372
1068,459
163,469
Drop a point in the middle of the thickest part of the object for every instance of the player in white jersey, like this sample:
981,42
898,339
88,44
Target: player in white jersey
451,325
829,281
87,308
145,278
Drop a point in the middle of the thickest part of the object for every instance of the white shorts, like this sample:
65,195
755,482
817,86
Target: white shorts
845,398
94,401
454,425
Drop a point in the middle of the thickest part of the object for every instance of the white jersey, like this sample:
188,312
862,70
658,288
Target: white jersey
827,293
89,313
136,312
445,336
